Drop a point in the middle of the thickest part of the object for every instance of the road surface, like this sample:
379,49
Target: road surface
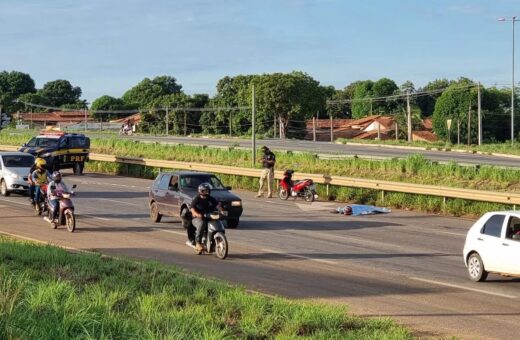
404,265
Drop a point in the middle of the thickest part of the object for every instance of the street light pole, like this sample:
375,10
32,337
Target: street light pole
513,20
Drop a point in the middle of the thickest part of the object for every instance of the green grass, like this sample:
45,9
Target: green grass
48,293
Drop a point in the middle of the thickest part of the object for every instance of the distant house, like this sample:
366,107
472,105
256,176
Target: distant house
62,118
134,119
371,127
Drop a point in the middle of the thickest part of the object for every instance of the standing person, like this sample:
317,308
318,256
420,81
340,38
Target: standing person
268,161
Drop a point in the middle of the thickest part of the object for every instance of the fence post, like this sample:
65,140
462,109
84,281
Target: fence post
382,196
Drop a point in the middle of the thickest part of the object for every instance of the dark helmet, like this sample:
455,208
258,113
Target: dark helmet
56,176
347,210
204,189
265,149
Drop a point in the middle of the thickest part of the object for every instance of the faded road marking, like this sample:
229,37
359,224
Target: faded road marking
299,256
463,287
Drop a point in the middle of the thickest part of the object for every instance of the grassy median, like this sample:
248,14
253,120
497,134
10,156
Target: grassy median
49,293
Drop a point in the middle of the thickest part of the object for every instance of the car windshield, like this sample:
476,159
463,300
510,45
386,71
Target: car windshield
18,161
43,142
195,180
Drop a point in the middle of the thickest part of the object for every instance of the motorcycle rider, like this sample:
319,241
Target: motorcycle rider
202,204
55,189
32,185
39,177
268,161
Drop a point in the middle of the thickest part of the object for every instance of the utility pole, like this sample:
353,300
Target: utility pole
85,111
230,126
185,126
274,126
313,129
479,115
167,121
469,123
409,116
396,132
253,128
331,131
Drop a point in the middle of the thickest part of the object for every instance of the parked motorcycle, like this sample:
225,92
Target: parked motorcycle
66,215
214,238
304,188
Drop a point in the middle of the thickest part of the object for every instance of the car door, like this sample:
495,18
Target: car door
159,192
510,250
171,197
489,242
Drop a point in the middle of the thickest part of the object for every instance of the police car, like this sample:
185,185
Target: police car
61,150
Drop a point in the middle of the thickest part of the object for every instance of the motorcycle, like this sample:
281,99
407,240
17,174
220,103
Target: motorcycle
126,130
66,215
304,188
214,238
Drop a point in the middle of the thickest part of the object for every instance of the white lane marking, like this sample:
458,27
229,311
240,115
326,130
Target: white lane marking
114,185
15,202
299,256
97,218
122,202
170,231
462,287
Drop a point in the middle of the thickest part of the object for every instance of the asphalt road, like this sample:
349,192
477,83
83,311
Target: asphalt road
403,265
365,151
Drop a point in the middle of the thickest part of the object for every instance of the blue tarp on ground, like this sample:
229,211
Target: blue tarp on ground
360,209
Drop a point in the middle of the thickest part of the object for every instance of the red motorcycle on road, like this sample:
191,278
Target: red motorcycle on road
304,188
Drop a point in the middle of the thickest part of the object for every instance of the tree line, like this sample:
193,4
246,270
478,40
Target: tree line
283,101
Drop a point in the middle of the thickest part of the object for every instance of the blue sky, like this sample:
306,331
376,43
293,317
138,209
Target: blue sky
108,46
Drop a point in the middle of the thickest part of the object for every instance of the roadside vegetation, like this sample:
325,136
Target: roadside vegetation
414,169
49,293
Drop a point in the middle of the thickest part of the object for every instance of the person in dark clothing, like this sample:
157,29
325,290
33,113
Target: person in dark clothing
202,204
268,161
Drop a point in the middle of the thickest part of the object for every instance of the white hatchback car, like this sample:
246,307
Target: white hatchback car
493,245
14,169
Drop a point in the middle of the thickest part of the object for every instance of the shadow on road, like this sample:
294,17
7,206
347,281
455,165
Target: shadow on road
349,224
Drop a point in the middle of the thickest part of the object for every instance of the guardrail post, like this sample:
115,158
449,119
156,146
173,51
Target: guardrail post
327,190
444,203
382,196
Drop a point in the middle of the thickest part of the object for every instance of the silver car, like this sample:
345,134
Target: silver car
14,169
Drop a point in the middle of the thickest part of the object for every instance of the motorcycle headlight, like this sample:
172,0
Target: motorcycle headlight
236,203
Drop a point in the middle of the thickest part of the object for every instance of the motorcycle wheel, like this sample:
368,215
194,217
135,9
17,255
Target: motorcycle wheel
221,245
70,220
283,194
309,196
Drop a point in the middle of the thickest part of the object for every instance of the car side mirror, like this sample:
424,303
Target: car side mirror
74,186
227,188
24,144
53,187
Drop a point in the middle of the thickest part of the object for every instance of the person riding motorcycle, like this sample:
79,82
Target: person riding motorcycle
32,185
55,189
39,177
202,204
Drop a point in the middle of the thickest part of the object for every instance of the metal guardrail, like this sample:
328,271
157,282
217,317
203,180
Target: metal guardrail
383,186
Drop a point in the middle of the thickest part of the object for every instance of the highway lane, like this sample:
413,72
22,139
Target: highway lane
367,151
403,265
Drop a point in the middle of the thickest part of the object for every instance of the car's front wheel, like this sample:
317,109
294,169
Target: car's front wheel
476,270
3,188
155,216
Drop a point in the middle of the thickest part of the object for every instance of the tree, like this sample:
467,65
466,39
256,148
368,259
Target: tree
455,103
12,85
108,103
384,87
427,102
148,92
361,105
61,92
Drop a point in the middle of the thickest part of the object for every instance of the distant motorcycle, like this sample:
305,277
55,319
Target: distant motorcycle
214,238
126,131
66,214
304,188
